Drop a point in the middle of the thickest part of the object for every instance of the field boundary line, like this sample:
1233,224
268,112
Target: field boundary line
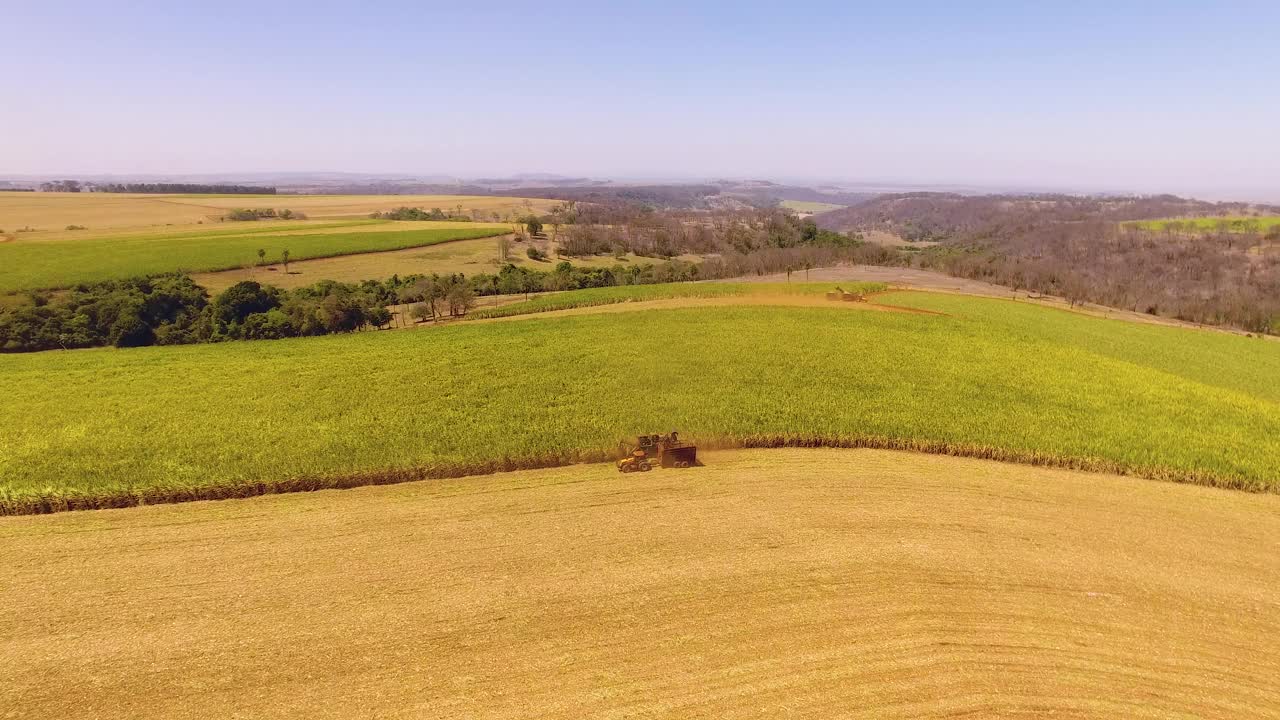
47,503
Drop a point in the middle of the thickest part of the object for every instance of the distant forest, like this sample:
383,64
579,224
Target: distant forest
1090,249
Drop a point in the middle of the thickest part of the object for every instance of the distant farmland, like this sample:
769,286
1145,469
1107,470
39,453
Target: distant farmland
62,263
51,213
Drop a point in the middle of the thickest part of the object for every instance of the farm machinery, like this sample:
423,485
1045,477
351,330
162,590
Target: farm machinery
661,450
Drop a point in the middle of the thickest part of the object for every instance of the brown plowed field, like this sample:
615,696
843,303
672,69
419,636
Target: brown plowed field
770,583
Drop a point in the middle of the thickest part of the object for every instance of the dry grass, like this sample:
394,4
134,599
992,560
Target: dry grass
771,583
50,213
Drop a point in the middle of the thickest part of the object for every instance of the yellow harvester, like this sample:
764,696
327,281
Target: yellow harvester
662,450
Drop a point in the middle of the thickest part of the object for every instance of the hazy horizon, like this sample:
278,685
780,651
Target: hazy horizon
1096,97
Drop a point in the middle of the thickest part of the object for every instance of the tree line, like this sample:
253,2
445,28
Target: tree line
619,228
417,213
155,188
251,214
173,310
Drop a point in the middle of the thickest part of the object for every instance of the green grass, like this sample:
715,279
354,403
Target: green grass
991,378
806,206
57,264
638,293
1235,223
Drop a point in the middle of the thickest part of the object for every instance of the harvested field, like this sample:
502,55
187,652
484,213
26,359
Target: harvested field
771,583
50,213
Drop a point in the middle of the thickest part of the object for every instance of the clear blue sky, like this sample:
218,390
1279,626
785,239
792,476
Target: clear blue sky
1149,96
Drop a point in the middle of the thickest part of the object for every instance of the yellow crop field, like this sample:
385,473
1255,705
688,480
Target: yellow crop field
769,583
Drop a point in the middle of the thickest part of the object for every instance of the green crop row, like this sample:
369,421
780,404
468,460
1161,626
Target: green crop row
57,264
593,297
986,377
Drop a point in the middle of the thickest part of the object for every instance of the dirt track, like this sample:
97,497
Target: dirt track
899,276
771,583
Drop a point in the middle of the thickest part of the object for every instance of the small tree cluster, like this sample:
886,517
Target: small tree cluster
417,213
251,214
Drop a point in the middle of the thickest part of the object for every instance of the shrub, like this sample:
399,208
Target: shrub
420,311
250,214
129,330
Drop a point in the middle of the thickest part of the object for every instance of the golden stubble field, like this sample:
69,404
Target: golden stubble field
771,583
50,213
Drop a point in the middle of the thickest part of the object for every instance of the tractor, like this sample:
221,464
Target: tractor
662,450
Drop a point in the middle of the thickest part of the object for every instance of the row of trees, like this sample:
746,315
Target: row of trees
74,186
173,310
156,188
251,214
417,213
